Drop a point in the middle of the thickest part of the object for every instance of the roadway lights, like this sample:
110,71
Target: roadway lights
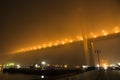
57,41
66,40
81,38
56,44
116,31
78,37
22,50
71,41
94,36
39,47
44,46
50,45
63,42
35,48
30,49
104,33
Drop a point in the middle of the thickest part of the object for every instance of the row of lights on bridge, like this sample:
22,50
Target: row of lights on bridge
66,40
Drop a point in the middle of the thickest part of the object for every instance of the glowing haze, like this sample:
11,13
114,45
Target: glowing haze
26,24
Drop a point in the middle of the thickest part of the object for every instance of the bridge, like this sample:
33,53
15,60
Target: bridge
59,52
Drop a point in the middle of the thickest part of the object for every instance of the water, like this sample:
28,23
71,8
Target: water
21,77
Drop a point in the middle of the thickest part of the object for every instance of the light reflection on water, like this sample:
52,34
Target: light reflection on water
21,77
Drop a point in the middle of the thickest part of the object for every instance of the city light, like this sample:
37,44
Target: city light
18,66
43,62
65,66
84,66
105,66
10,64
47,64
119,64
37,66
98,65
0,67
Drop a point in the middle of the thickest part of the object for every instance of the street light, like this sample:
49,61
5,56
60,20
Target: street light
98,56
43,63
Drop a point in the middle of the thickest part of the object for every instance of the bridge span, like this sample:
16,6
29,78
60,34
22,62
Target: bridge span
74,53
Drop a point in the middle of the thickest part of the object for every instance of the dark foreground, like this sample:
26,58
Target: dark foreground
108,75
68,75
50,74
96,75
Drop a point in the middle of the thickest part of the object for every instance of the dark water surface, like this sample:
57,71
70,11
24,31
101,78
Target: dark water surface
7,76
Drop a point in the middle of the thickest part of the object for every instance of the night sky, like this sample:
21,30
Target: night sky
27,23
